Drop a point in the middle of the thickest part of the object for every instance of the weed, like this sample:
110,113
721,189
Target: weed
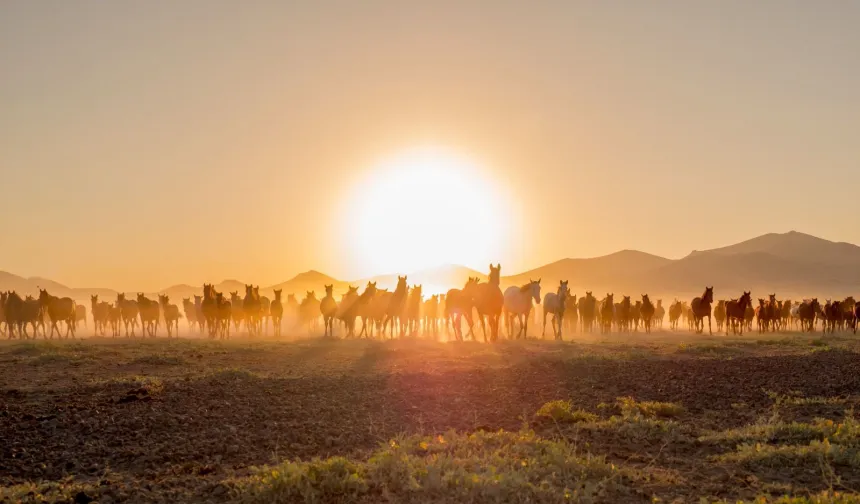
562,411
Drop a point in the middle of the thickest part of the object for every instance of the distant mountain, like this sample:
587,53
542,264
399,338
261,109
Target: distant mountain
605,272
790,264
308,281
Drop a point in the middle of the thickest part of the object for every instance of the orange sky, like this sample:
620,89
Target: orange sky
151,143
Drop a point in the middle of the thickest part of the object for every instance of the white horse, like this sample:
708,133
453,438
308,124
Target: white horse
554,304
518,301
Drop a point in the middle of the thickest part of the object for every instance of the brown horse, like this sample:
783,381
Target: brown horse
806,312
59,310
149,315
659,313
190,313
171,315
607,314
489,302
720,314
623,314
736,312
430,315
458,305
587,311
395,308
675,311
209,309
223,315
701,308
237,313
361,309
276,309
309,311
328,309
571,313
101,314
253,310
20,312
646,312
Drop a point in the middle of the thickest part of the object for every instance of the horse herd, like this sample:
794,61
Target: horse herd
405,312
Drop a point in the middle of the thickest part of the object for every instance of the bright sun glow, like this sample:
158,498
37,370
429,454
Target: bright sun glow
425,208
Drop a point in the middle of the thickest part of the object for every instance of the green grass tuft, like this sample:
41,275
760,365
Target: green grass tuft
562,411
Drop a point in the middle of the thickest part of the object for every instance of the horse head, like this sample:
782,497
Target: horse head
708,297
495,274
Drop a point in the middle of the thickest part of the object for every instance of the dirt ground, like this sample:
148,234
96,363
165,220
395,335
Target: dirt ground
176,420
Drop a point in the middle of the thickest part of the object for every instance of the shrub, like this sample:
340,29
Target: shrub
562,411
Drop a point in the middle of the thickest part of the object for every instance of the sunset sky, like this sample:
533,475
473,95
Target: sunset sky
149,143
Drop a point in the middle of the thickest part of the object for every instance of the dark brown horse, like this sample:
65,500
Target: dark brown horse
675,311
328,309
806,312
59,310
21,312
607,314
587,312
736,312
646,312
396,308
253,310
701,308
101,314
623,314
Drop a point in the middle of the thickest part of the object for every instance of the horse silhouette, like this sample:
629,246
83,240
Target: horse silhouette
518,306
59,310
276,310
328,309
489,302
700,308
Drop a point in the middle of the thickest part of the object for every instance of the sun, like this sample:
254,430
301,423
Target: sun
423,208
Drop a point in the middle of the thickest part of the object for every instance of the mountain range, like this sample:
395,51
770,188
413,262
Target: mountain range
791,264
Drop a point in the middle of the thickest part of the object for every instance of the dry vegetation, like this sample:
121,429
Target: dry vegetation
667,418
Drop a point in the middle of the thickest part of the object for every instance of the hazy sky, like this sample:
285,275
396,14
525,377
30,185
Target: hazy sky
147,143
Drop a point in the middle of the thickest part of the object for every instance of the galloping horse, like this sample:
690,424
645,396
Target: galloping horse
59,310
587,311
413,310
253,310
736,313
101,314
458,304
518,303
276,309
646,312
700,308
149,314
171,315
430,313
607,313
396,307
554,304
489,302
571,318
623,314
675,311
328,309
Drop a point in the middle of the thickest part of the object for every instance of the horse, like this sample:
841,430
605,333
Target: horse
856,315
459,304
223,315
253,310
309,310
736,313
360,309
430,313
832,315
720,314
607,314
761,315
101,314
115,317
659,313
80,314
700,308
149,314
675,311
395,307
190,312
345,311
518,303
328,309
646,312
209,309
555,303
237,313
489,302
624,314
171,315
265,310
20,312
571,314
806,312
276,309
413,310
587,311
59,310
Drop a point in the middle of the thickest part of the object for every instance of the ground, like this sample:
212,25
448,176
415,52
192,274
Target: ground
622,418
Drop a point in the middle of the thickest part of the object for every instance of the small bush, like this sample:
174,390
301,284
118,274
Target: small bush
650,409
562,411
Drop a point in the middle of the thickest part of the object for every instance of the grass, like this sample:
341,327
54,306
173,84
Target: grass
649,409
480,467
562,411
810,456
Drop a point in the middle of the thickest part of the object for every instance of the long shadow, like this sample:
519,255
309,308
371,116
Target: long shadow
373,353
